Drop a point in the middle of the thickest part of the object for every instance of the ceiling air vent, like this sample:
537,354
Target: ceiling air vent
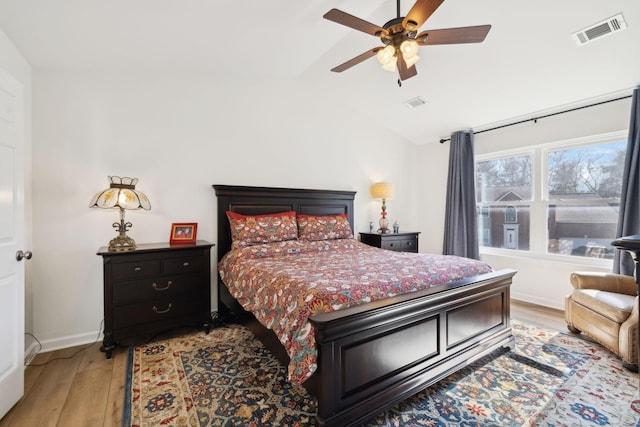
415,102
601,29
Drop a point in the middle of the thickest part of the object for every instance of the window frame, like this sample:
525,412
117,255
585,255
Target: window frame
539,203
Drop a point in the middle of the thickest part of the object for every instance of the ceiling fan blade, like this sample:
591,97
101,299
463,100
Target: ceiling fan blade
453,35
420,12
354,22
404,72
355,61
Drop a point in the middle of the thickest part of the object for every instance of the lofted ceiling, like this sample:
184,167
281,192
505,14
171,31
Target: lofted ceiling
528,63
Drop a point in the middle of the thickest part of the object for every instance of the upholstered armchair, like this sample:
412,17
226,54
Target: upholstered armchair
605,307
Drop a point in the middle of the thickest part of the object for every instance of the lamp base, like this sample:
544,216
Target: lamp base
122,242
384,226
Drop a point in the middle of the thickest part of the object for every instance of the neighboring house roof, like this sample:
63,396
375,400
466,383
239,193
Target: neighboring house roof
502,194
510,196
603,214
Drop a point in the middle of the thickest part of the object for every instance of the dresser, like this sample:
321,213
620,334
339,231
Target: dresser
153,288
401,242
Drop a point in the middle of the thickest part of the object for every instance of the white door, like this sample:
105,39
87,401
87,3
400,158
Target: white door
11,241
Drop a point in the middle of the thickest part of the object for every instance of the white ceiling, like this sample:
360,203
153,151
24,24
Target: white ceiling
527,64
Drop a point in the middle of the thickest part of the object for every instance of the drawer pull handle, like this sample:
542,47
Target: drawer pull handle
155,286
185,264
390,245
162,311
137,269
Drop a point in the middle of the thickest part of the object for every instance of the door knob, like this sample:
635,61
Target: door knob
26,255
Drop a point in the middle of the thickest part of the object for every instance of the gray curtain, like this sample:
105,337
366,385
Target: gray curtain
629,215
460,224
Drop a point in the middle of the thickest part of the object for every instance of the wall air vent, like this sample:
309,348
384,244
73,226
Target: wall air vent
415,102
599,30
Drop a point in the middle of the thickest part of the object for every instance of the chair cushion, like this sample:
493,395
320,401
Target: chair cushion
615,306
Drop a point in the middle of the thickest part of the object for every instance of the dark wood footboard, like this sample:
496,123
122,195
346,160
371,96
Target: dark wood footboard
373,356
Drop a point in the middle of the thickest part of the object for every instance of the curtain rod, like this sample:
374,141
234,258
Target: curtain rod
535,119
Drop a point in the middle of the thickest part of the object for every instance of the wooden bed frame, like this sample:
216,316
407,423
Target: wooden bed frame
374,355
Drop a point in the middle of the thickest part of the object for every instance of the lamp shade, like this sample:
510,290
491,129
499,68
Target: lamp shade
121,194
382,190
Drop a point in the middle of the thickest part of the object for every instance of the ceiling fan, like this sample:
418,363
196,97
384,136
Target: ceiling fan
401,39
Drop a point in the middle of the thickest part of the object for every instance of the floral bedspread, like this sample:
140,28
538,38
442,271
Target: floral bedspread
285,283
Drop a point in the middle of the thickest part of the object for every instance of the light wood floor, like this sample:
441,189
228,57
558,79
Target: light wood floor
88,390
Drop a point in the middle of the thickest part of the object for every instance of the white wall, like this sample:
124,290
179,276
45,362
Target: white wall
14,63
432,184
544,282
179,134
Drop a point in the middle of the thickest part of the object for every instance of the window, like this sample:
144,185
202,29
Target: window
504,192
582,198
558,199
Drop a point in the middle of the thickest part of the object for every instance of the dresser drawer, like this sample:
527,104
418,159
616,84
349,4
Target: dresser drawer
156,287
135,270
184,264
161,309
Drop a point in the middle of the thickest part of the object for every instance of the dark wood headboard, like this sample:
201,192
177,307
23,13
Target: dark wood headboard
263,200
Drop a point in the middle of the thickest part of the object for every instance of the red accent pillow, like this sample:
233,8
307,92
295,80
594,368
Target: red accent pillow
324,227
248,230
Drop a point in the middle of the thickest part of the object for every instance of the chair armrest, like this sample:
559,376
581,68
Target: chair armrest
628,336
609,282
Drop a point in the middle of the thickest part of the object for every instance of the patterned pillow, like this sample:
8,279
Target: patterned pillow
249,230
326,227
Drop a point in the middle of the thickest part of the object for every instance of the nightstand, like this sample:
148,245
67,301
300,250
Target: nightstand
153,288
401,242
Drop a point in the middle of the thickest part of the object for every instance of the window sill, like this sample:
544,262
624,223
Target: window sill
602,263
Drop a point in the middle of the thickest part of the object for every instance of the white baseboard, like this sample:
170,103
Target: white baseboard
536,299
31,352
70,341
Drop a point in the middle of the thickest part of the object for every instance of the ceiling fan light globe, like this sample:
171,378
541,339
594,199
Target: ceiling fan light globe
385,56
390,66
411,61
409,49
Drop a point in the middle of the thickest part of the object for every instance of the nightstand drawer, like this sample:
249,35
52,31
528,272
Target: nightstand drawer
134,270
400,242
185,264
401,245
155,287
185,306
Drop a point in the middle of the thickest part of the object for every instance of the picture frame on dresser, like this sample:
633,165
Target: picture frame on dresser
183,233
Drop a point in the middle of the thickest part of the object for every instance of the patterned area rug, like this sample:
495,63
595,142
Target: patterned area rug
227,378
